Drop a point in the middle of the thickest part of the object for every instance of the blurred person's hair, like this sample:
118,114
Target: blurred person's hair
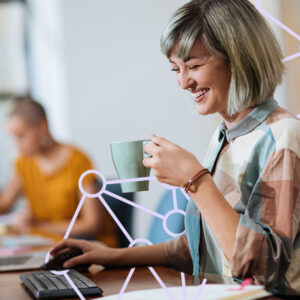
29,109
232,30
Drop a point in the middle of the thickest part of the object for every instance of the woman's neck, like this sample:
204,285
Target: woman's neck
52,157
48,148
230,121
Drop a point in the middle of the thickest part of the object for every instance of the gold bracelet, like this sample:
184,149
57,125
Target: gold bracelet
187,185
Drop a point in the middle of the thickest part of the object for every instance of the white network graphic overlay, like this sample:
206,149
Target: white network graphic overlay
130,239
164,218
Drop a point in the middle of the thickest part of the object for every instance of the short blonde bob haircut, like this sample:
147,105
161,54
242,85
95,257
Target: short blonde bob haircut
236,32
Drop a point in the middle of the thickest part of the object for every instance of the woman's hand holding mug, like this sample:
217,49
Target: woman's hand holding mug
171,164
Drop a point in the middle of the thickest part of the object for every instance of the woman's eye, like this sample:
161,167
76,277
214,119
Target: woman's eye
194,67
175,69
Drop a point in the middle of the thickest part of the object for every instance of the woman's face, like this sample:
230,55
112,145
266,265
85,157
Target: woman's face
207,79
27,137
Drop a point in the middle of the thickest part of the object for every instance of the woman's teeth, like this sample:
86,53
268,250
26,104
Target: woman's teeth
200,93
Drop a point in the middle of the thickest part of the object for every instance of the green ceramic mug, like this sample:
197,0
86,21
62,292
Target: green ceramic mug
128,161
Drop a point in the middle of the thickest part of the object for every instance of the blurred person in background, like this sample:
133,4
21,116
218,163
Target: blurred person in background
47,173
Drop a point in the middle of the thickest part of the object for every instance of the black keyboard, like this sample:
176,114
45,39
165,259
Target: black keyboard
47,285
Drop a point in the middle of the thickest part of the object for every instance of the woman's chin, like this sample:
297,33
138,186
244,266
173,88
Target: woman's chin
202,110
28,153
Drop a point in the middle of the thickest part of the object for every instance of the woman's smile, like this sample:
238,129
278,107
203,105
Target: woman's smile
200,94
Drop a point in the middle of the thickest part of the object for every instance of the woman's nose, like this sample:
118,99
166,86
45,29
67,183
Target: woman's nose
185,81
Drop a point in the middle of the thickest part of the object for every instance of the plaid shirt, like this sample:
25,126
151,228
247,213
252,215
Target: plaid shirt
256,166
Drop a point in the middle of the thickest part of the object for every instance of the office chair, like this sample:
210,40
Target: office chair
122,210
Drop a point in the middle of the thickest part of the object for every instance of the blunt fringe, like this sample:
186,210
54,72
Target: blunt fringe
236,32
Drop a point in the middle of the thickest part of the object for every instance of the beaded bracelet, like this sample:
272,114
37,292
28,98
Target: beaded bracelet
187,185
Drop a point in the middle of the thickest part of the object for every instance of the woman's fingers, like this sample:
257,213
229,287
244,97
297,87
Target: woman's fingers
147,162
63,251
155,149
77,260
92,251
160,141
149,148
67,243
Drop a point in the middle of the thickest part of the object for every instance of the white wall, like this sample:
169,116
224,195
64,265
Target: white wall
120,85
47,63
13,77
7,149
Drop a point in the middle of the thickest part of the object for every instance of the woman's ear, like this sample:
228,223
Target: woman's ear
44,127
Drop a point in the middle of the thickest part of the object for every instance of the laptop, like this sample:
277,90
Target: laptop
27,261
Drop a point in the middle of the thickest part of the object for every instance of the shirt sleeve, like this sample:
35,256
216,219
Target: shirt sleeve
18,166
177,254
264,242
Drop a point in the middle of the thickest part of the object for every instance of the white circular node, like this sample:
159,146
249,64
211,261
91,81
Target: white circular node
96,173
171,212
140,240
63,272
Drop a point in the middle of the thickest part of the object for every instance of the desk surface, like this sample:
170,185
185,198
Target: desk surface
110,281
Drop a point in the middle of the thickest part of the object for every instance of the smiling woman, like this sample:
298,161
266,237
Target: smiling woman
237,34
243,219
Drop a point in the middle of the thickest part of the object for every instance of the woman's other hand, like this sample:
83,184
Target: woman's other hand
23,222
99,253
171,163
93,252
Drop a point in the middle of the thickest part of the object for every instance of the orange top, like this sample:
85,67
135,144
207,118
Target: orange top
54,197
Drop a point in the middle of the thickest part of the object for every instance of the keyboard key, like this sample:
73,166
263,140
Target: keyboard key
49,284
85,281
59,281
